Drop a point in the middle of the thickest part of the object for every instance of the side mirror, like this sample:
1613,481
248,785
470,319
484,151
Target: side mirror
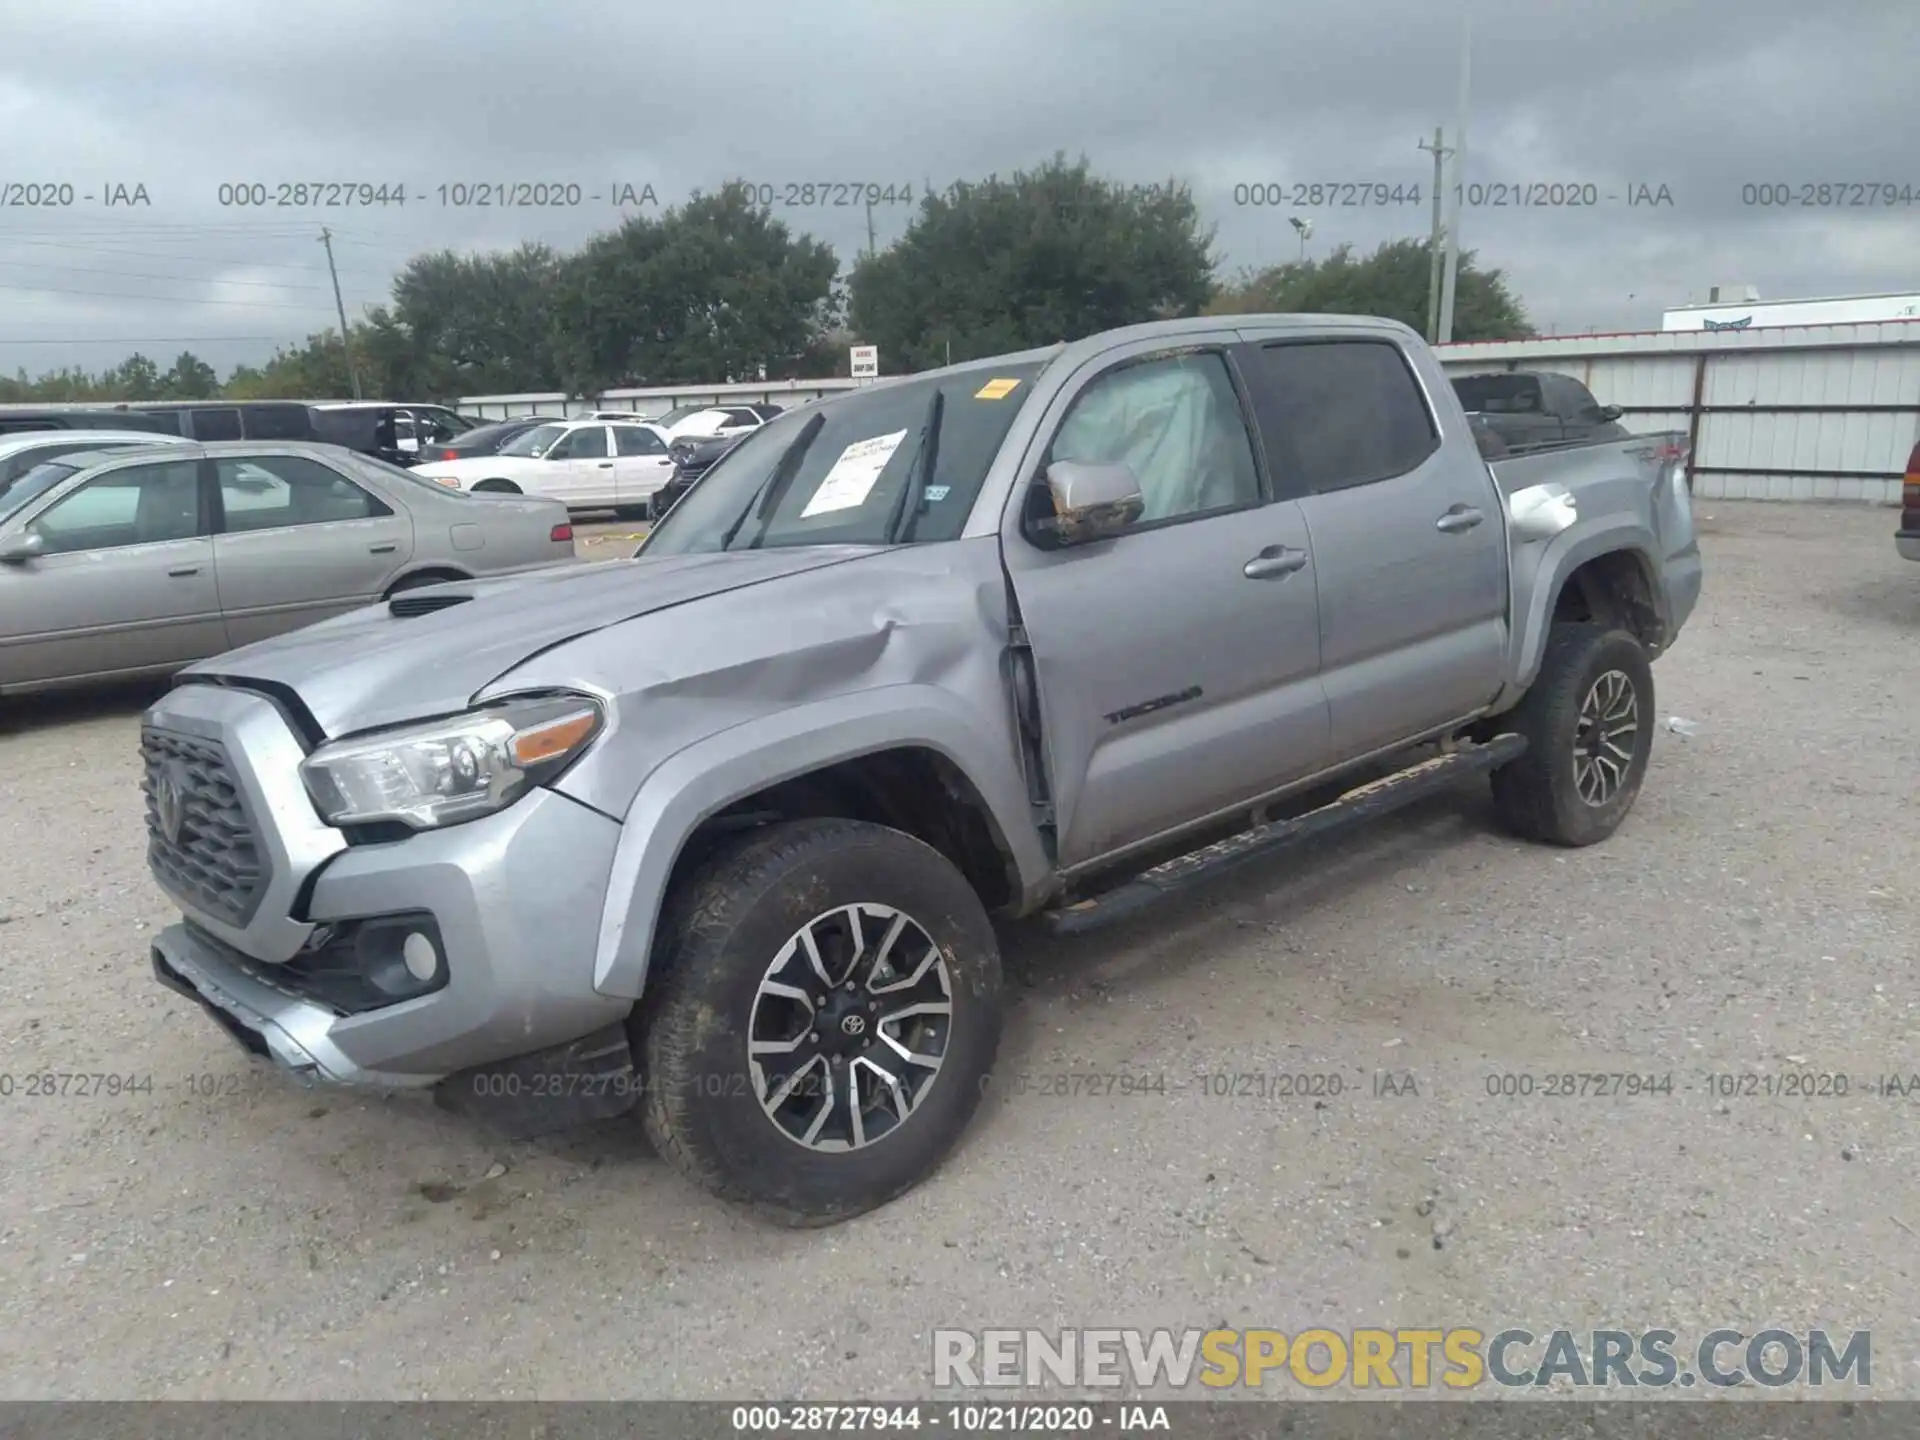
1091,502
1609,412
1541,512
18,549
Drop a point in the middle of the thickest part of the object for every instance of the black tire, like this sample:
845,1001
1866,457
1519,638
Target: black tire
497,487
1539,796
721,933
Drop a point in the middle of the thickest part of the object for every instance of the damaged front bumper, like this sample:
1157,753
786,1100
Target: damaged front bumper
283,959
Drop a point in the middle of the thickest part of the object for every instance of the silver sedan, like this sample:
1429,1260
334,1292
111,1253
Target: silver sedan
136,561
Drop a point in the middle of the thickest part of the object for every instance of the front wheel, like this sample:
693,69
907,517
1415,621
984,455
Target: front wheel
822,1020
1588,721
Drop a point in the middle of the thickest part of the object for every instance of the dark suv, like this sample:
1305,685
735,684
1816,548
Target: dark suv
18,419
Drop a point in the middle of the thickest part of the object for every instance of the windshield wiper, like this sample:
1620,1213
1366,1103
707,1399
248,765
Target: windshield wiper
763,500
915,488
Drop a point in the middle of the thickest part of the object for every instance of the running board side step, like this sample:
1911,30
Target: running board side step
1365,802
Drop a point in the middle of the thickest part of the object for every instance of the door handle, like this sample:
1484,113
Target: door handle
604,465
382,549
1276,562
182,571
1458,519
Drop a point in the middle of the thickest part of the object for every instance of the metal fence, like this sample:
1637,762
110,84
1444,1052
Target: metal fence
1814,412
652,400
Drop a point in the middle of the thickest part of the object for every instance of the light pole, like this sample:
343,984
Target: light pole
1447,280
1305,228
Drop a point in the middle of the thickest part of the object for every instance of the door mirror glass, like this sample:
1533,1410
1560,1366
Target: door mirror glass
18,549
1090,501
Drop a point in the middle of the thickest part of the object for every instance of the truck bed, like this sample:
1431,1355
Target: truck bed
1581,465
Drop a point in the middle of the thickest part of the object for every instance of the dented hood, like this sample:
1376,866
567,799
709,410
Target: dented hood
371,667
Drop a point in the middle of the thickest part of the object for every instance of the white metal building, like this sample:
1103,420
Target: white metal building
1747,311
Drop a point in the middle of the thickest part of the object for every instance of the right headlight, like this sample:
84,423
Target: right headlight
454,769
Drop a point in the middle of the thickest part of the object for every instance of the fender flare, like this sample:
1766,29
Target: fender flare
698,782
1540,589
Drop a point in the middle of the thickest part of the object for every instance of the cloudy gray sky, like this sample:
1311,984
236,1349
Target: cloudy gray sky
1703,97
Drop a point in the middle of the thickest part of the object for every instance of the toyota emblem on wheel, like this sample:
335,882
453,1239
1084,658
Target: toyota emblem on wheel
853,1025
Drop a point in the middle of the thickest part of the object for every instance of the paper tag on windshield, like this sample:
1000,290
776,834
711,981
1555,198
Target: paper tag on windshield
996,390
852,477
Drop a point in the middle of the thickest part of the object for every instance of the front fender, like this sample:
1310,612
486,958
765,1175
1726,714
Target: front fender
698,782
1540,570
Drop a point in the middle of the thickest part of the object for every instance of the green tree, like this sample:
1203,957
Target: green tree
137,378
1392,282
716,289
481,324
1050,254
191,378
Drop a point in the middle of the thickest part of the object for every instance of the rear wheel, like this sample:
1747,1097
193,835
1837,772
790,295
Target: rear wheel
1588,720
822,1021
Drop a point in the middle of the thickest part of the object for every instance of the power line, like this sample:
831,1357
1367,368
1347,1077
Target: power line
184,279
161,299
144,340
9,240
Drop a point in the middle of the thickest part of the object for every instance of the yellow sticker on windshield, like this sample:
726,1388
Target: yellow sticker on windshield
996,390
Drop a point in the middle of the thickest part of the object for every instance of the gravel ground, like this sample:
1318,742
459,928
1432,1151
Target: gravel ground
223,1233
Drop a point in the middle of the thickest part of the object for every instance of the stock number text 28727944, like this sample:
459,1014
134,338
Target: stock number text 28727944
830,194
1316,194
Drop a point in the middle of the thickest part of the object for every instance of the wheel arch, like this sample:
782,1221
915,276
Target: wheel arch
1607,575
912,763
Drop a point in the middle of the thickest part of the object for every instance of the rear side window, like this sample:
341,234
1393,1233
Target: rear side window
278,422
632,440
1340,413
1499,394
269,492
216,425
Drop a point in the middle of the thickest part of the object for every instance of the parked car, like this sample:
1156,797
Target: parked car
709,420
1906,540
22,419
691,459
21,451
715,833
393,432
1529,409
137,560
482,439
215,420
588,464
390,431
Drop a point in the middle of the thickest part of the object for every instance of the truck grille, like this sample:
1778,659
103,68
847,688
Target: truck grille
201,844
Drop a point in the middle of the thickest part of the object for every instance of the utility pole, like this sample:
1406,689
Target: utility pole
346,345
1460,184
1440,152
871,247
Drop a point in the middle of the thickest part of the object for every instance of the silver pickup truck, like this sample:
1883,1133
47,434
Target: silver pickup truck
714,833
